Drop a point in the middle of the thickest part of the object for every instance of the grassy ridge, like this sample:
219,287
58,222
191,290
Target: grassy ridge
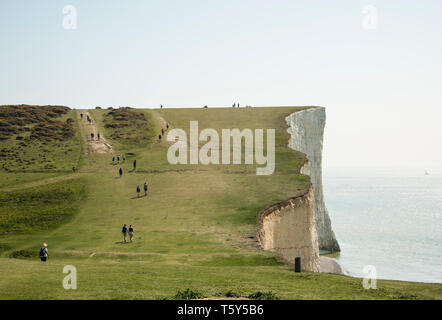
194,229
38,142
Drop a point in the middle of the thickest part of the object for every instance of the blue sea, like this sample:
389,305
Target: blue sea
391,219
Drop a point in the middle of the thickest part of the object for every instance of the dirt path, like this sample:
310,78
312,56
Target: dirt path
95,145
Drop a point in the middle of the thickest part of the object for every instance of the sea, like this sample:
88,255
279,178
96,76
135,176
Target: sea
387,218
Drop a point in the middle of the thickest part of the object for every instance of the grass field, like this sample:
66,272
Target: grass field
194,230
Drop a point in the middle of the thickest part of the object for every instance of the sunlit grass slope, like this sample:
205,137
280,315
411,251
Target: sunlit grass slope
194,230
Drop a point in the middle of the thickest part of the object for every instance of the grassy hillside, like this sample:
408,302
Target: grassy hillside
195,229
37,142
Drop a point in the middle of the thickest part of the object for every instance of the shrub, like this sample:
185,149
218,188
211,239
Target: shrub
188,294
227,294
269,295
25,253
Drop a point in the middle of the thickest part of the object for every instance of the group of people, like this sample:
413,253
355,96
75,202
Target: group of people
88,118
127,230
118,158
120,171
235,105
145,187
160,136
98,136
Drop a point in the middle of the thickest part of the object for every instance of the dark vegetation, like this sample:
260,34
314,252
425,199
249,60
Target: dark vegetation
35,138
39,121
40,208
128,125
263,296
24,253
188,294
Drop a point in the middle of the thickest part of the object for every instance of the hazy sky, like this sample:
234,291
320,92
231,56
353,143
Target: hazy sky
382,87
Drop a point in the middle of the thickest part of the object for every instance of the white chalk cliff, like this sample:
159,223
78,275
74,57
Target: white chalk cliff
306,129
288,228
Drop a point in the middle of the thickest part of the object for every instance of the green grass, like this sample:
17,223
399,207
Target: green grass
193,231
40,208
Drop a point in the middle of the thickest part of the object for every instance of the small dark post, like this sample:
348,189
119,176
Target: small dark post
297,264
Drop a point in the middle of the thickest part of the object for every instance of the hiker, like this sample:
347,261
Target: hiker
145,189
118,158
161,106
237,105
120,172
131,233
73,169
98,135
81,116
124,232
167,126
138,191
162,131
113,159
135,164
234,105
124,158
159,137
92,136
44,255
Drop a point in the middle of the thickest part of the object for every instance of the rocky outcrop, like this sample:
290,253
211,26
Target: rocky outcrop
288,228
306,129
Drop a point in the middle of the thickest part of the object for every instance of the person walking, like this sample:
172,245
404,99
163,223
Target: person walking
113,159
120,172
138,191
92,136
145,189
124,232
81,116
118,158
167,126
135,164
162,131
44,255
131,233
98,136
124,158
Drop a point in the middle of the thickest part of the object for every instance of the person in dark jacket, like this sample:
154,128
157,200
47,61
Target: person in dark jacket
120,172
138,191
145,189
124,232
135,164
44,255
131,233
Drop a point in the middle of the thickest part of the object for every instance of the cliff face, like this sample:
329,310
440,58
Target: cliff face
288,228
306,129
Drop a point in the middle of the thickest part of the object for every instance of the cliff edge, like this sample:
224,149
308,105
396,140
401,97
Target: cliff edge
306,129
288,228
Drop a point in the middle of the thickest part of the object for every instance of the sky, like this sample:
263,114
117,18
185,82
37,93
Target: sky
382,86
